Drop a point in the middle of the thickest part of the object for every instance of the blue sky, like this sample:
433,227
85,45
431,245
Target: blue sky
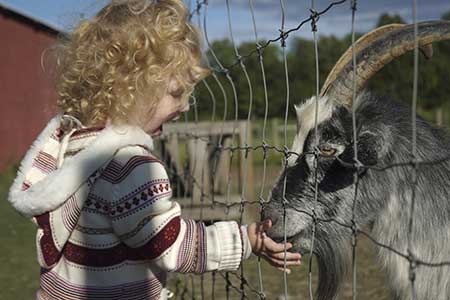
65,14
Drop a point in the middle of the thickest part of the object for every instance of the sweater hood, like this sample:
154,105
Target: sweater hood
33,195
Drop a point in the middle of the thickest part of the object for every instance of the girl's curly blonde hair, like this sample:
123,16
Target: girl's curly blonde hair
124,58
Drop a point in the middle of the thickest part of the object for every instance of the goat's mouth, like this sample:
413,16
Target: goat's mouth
299,243
281,239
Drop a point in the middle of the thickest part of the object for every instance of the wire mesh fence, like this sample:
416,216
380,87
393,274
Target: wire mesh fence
216,161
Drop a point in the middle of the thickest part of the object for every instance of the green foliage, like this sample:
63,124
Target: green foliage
394,80
385,19
446,16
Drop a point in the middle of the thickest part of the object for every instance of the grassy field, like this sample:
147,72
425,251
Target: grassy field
20,271
370,282
19,268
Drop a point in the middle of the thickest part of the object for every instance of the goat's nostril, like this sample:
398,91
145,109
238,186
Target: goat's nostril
272,219
270,214
279,239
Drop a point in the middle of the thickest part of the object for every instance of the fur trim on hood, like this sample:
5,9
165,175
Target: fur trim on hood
54,189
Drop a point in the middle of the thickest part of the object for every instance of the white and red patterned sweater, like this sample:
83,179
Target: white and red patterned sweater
107,227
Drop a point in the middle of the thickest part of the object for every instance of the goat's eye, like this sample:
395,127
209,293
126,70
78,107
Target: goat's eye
327,151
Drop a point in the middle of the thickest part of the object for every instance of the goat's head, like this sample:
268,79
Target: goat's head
322,164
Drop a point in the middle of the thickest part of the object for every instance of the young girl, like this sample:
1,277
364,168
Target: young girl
107,227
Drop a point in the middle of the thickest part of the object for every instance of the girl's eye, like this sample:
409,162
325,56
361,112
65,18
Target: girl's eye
327,151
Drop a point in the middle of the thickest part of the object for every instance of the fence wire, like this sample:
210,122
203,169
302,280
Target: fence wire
236,284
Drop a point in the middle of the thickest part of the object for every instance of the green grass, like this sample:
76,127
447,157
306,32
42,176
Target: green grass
370,281
272,139
19,268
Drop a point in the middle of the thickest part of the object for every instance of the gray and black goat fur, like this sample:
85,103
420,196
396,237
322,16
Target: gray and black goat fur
383,202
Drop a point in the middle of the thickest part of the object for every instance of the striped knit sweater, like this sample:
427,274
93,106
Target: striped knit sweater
107,227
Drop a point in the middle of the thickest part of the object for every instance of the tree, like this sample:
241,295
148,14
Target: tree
446,16
394,80
386,18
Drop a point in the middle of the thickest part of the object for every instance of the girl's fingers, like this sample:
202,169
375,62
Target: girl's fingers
271,246
280,262
280,255
277,264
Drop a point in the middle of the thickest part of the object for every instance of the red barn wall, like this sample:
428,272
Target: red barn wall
27,99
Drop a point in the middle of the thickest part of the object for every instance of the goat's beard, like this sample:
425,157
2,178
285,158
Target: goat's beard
333,259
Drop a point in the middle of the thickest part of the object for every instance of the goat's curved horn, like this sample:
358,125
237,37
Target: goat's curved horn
360,44
382,50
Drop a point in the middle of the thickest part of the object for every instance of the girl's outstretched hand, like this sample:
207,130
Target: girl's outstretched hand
265,247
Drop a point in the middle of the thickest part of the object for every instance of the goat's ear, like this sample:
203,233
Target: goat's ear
369,149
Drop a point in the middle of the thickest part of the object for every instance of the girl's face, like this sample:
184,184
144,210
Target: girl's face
169,108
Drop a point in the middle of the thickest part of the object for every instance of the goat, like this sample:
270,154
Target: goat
324,167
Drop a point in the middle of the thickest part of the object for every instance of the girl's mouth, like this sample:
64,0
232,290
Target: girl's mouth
158,131
175,116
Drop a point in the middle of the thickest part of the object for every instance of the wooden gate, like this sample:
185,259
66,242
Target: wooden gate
206,179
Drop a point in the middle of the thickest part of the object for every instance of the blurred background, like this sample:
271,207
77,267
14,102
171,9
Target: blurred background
29,28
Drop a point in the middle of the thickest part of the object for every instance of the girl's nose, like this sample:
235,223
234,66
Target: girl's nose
185,108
